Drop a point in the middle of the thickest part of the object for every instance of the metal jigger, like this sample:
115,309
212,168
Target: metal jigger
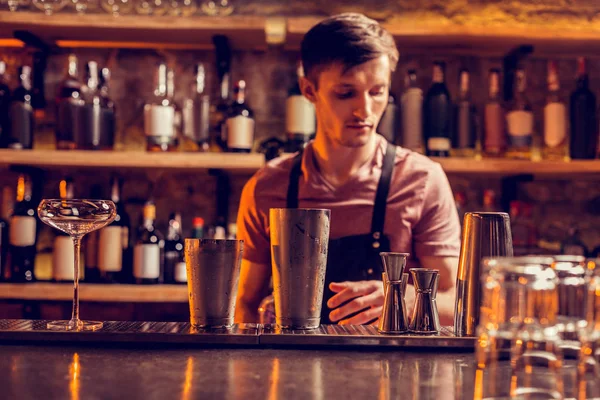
393,315
425,318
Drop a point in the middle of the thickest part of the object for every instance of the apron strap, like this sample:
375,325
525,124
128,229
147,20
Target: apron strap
295,173
383,188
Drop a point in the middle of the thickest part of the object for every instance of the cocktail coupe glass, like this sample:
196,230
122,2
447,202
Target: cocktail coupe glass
76,218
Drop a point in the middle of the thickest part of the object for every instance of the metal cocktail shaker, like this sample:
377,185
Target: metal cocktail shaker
299,243
485,234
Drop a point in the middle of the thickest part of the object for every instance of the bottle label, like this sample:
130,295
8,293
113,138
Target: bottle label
159,120
574,250
300,116
22,231
146,261
412,120
240,132
438,144
63,262
494,127
110,250
125,237
555,124
180,272
520,123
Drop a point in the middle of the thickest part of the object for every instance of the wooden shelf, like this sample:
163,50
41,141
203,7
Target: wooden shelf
504,167
241,163
95,292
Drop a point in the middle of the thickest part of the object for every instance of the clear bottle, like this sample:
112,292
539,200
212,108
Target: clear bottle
159,116
63,262
21,113
196,112
465,120
148,257
556,139
219,114
437,115
22,236
519,120
175,271
113,242
391,120
107,112
300,117
494,140
583,117
239,123
4,107
412,113
69,102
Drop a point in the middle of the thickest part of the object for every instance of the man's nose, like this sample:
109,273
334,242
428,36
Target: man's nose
362,107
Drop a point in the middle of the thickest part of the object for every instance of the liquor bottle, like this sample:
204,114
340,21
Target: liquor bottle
148,250
198,228
90,245
4,107
69,101
221,106
196,112
465,119
556,140
437,115
390,123
494,141
107,110
583,118
412,113
22,233
95,131
573,244
519,121
300,117
239,123
63,261
175,271
159,116
490,202
21,112
4,215
220,233
113,242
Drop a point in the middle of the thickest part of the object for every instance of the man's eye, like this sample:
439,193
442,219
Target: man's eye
378,93
344,95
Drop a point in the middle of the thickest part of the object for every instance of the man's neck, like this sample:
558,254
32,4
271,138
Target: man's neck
338,163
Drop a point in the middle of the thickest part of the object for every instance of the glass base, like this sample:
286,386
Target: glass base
72,325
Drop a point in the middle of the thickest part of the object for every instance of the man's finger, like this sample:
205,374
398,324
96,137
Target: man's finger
353,306
364,317
350,290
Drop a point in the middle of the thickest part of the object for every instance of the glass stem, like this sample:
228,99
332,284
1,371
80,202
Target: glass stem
77,254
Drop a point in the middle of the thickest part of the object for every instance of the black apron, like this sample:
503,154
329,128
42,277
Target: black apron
353,258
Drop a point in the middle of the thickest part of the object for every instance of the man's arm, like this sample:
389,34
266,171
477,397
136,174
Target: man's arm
252,288
445,299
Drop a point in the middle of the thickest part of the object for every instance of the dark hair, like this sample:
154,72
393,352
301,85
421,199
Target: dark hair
349,38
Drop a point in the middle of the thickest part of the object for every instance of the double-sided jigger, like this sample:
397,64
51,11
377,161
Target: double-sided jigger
425,318
393,316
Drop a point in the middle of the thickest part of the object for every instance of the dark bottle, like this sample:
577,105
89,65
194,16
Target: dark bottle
63,262
239,124
198,228
300,118
21,113
221,106
23,233
90,246
196,112
4,215
4,107
95,131
573,246
391,120
174,262
584,125
494,142
148,250
465,119
108,125
69,101
159,115
437,115
113,243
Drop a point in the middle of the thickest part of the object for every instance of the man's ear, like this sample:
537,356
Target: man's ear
308,89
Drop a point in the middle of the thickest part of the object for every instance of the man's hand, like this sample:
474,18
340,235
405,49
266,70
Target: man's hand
364,295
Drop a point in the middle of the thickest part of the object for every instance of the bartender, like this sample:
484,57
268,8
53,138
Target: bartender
382,197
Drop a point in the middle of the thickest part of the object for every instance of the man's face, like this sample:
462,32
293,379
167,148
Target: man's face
349,105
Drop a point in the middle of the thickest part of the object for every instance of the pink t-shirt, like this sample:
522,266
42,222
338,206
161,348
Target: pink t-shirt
420,219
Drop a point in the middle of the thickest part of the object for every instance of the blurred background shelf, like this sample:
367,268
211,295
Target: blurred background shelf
505,167
234,162
94,292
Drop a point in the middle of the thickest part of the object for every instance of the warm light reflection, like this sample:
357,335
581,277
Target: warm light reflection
274,380
478,384
11,43
187,384
384,380
74,373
